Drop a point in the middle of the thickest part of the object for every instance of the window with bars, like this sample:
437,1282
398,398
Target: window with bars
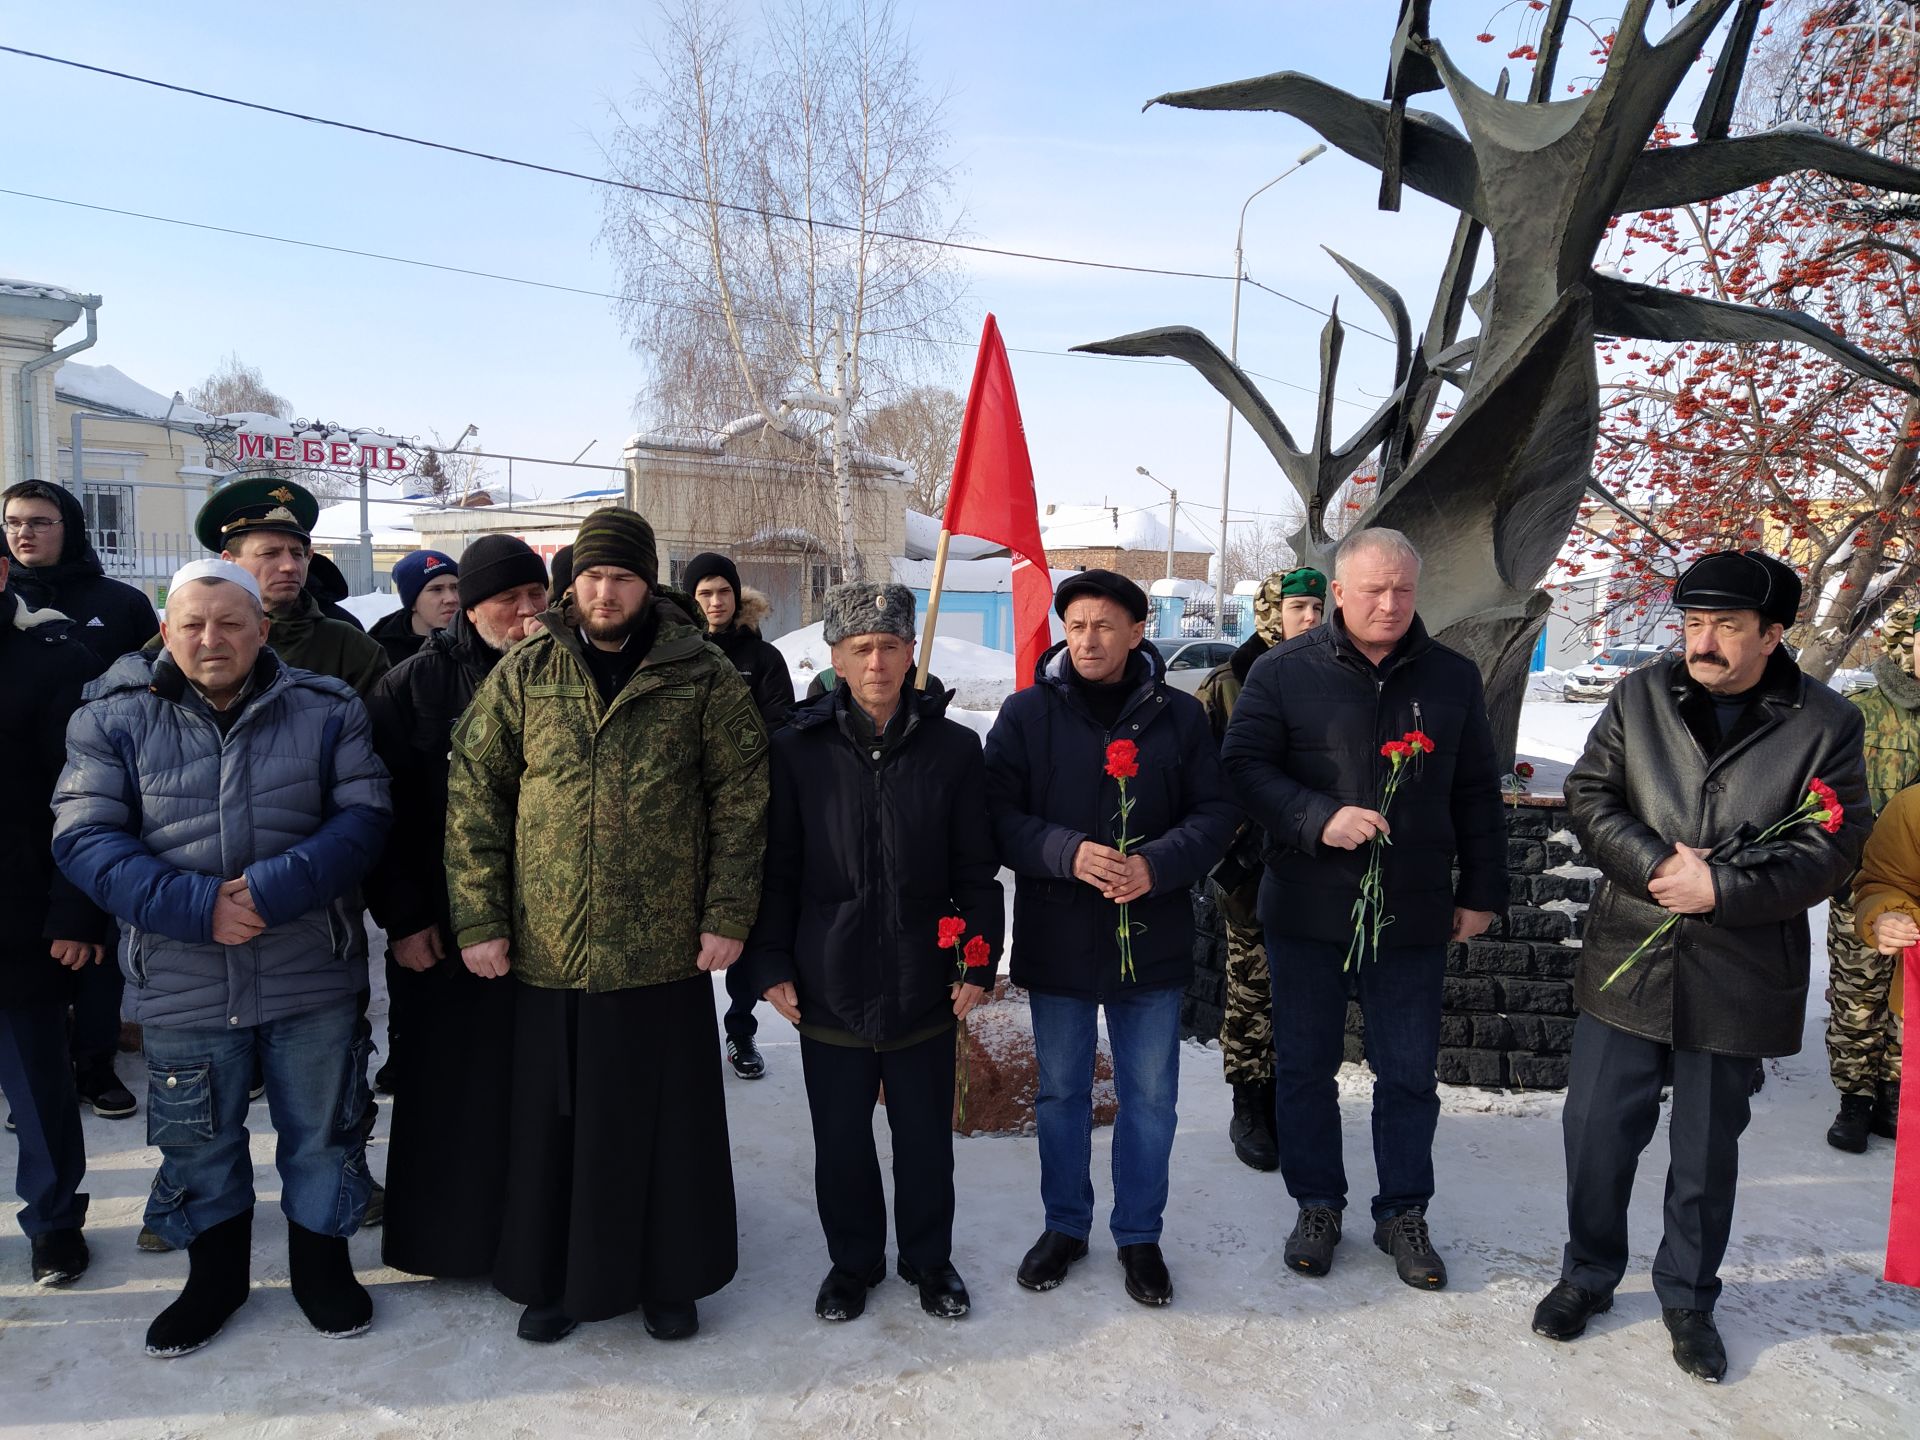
110,520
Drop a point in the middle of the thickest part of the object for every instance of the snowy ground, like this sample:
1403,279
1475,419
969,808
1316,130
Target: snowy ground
1818,1343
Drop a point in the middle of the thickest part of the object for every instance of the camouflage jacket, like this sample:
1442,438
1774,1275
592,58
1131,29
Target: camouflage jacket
1892,711
601,840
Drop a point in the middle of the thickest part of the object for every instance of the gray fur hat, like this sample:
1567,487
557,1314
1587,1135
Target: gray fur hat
867,607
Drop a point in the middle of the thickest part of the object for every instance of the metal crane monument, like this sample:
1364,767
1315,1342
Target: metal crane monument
1491,497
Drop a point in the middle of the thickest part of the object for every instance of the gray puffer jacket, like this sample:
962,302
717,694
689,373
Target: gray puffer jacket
156,808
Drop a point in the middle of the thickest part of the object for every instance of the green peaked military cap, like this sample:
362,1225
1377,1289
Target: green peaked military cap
259,502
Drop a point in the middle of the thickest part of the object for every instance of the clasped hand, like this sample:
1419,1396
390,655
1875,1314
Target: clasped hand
1119,878
1683,882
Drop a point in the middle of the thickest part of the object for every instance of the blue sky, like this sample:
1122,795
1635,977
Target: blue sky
1054,154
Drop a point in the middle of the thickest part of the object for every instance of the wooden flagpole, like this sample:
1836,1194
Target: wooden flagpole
933,608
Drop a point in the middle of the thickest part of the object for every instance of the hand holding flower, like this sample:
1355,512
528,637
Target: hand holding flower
1683,882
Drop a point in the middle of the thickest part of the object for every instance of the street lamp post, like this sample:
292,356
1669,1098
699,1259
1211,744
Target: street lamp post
1307,156
1173,510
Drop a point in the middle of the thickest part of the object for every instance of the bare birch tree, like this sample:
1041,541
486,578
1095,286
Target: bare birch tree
783,288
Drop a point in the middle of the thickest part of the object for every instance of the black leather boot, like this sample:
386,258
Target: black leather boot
334,1302
1850,1127
1046,1264
843,1294
1252,1129
1886,1111
218,1262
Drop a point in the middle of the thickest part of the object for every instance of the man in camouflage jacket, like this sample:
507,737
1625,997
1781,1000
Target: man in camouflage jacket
1288,603
606,820
1863,1038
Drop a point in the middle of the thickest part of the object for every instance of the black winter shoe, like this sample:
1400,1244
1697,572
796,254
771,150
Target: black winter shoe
1405,1238
843,1294
1758,1080
544,1324
383,1080
1697,1346
745,1057
1252,1129
1564,1313
942,1292
1851,1126
1886,1111
1310,1246
1046,1264
59,1257
333,1300
1147,1277
217,1267
100,1090
670,1319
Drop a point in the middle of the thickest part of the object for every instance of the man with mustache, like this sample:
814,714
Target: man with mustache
1689,754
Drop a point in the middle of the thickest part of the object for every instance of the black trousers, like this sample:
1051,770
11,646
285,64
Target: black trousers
738,1021
1612,1110
843,1084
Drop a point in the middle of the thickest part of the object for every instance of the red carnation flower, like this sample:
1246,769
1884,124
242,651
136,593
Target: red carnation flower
1420,740
1523,770
952,927
1123,759
978,952
1396,749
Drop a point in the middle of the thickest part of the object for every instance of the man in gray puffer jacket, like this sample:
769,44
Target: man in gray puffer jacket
220,803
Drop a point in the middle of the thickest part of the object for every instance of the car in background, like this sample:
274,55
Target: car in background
1595,679
1189,661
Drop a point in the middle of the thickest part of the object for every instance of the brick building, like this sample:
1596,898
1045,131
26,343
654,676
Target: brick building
1131,542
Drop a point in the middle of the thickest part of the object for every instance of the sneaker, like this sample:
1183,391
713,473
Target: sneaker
1315,1233
100,1089
1047,1263
1697,1346
59,1257
1851,1126
1564,1312
1404,1236
745,1057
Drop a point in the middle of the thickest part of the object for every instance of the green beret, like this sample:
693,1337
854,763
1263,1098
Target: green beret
259,502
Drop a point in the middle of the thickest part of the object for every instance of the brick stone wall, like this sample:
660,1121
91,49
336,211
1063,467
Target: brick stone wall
1142,567
1508,1011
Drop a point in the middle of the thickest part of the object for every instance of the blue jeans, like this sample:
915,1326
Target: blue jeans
1400,995
315,1065
37,1080
1143,1027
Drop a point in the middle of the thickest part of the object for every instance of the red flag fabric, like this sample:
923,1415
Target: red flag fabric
992,497
1903,1226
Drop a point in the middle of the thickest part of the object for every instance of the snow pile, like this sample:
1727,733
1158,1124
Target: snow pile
980,678
369,608
1099,527
1547,682
102,387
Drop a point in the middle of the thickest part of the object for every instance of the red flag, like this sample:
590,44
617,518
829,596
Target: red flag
1903,1227
992,497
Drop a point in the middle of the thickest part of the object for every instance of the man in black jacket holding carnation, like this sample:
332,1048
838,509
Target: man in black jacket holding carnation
880,924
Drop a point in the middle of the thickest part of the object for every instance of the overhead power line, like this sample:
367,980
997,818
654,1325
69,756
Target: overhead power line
546,284
657,193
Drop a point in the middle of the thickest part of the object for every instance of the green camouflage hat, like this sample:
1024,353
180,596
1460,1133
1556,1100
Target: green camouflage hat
1896,631
1302,580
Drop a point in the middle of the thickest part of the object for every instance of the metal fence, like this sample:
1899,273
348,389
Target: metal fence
1174,617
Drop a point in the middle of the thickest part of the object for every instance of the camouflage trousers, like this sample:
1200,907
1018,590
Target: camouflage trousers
1246,1034
1863,1037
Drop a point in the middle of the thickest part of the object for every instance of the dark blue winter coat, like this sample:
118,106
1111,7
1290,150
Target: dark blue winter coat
155,809
864,860
1305,740
1048,790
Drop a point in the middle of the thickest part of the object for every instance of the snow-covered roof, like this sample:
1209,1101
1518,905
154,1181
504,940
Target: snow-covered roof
992,575
684,439
1089,527
923,540
391,522
102,387
39,290
1185,589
